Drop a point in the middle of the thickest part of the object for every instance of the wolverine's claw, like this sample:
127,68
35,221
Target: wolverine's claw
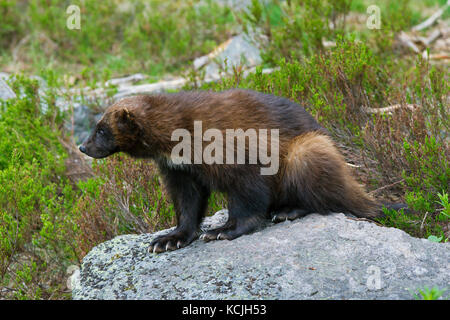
171,241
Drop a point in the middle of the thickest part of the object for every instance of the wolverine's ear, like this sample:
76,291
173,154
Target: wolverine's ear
126,120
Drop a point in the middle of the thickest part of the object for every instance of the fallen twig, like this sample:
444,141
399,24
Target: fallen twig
407,41
437,56
421,225
126,80
386,187
353,165
411,107
435,34
431,20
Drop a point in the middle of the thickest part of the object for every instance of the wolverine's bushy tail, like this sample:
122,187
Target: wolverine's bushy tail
317,176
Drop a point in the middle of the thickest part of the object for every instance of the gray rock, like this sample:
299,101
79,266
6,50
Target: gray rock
84,120
238,4
238,51
5,91
4,75
316,257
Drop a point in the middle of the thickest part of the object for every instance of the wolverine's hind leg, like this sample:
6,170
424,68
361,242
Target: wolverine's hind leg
288,214
246,212
232,229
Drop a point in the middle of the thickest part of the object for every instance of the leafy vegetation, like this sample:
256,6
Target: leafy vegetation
49,221
36,224
429,294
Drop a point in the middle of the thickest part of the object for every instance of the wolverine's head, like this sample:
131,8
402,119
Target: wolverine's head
116,131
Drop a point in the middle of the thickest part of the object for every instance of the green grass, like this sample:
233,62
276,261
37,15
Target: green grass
122,37
429,294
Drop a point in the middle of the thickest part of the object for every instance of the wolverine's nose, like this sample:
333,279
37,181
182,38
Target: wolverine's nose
83,149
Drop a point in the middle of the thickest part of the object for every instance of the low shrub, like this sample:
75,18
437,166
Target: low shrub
36,224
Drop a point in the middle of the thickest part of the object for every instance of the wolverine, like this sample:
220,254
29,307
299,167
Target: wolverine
312,175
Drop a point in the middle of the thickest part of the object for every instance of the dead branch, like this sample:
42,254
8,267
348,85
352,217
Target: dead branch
431,20
437,56
386,187
421,225
435,34
408,42
126,80
353,165
389,109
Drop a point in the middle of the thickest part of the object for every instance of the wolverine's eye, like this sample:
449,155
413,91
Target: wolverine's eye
101,132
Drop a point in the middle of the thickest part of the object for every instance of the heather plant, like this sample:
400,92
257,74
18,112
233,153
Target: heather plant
295,35
428,173
36,225
295,29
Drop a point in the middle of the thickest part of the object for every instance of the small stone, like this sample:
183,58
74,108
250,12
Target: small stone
5,91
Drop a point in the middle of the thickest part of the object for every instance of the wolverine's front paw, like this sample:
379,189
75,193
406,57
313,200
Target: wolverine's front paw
172,241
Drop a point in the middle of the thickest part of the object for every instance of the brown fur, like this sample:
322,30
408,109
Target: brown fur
316,170
313,175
